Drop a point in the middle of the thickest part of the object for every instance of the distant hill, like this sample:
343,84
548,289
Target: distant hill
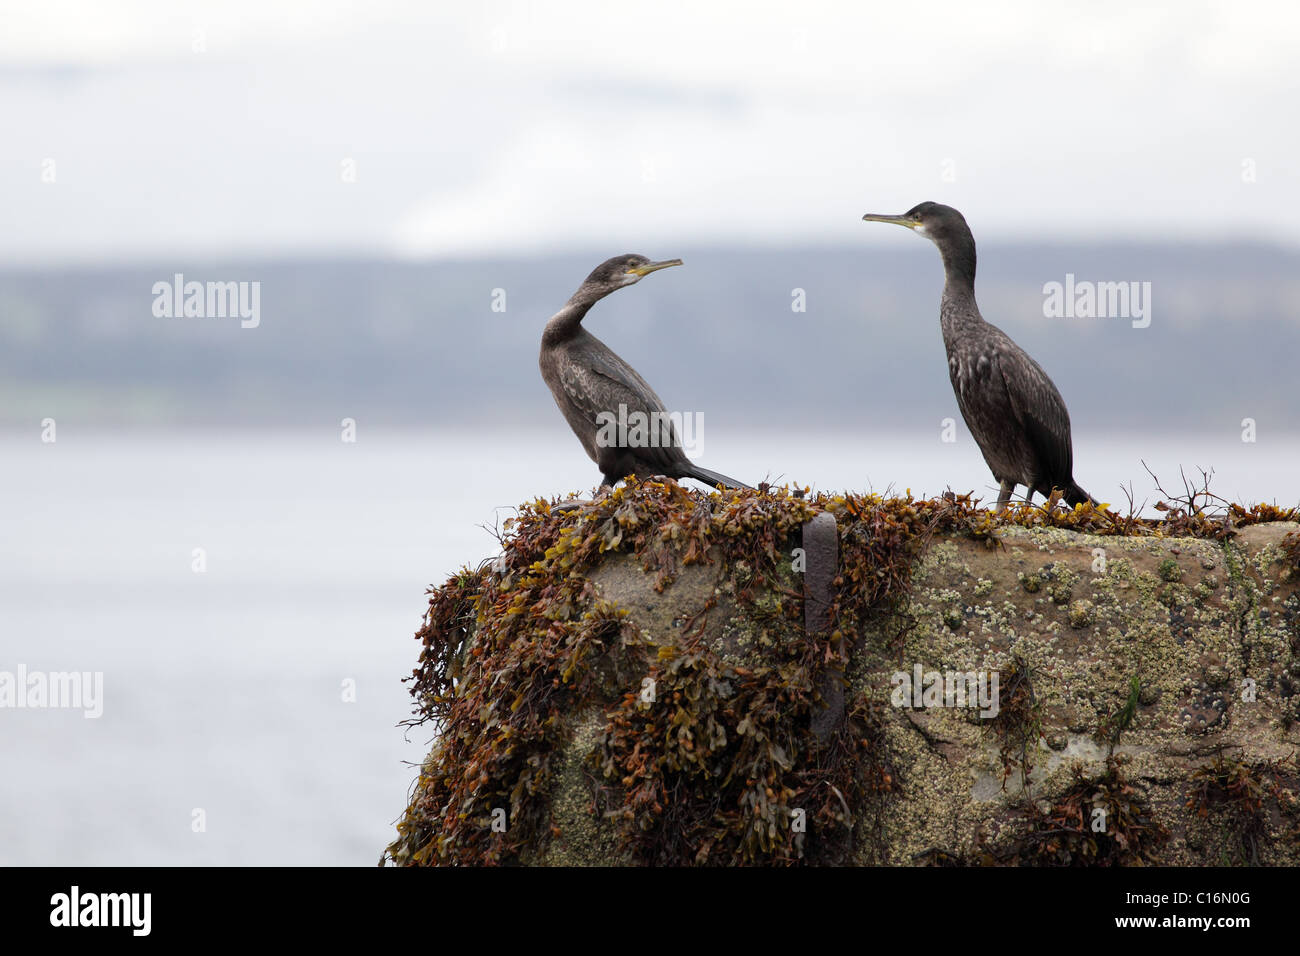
419,342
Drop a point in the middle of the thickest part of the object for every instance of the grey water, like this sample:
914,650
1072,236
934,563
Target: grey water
250,598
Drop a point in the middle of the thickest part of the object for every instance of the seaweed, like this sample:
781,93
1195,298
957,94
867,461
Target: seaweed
1244,794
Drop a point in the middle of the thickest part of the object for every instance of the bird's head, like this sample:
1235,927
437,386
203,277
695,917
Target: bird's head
936,222
623,271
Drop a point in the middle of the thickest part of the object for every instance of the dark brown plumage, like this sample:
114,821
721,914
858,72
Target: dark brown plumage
589,383
1011,407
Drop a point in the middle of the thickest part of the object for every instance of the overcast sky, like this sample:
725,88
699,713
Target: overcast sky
477,129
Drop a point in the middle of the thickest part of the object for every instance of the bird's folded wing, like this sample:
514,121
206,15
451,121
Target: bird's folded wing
1040,410
598,388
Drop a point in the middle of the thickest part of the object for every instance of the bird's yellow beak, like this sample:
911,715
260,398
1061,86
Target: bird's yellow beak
650,267
896,220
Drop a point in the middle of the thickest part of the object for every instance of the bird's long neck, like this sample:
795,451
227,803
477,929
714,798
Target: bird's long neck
567,323
958,307
959,261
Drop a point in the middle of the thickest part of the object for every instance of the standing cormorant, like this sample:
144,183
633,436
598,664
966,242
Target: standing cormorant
597,391
1012,408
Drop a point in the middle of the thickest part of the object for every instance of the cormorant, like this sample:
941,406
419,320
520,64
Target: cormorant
596,390
1017,416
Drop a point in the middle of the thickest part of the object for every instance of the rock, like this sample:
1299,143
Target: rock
1114,689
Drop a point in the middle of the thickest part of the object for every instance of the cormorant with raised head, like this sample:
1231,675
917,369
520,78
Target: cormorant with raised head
597,391
1017,416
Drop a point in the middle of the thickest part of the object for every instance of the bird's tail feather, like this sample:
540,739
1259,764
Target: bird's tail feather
1074,495
713,478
